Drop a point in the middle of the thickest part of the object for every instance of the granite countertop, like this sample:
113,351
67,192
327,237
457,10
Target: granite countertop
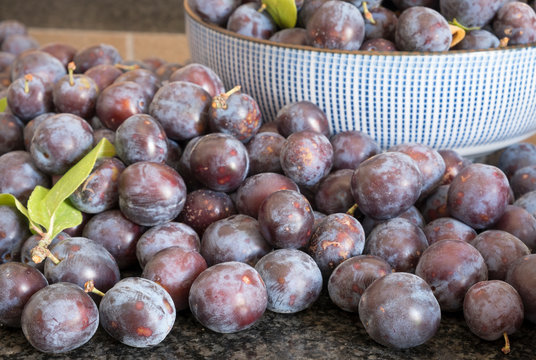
320,332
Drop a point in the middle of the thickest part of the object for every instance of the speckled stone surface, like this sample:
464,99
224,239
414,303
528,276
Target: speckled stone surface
133,15
320,332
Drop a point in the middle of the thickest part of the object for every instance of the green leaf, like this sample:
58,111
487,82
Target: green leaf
76,175
284,12
10,200
64,217
3,104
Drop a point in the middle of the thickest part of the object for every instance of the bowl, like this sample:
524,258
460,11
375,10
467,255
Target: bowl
473,102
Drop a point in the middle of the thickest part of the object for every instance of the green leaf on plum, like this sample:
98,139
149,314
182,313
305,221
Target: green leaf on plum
76,175
284,12
3,104
64,217
10,200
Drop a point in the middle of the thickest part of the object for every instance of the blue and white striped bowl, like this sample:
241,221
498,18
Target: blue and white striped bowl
474,102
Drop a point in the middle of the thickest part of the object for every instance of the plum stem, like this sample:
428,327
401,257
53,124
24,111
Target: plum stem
89,287
504,42
127,67
351,211
71,67
262,8
220,101
367,13
506,348
27,79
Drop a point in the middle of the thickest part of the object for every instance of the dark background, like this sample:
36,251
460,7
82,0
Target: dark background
115,15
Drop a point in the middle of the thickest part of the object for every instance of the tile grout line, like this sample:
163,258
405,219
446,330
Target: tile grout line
129,46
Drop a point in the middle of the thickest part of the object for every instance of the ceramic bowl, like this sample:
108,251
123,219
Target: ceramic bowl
474,102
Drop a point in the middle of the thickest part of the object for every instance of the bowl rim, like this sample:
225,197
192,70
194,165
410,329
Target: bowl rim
195,17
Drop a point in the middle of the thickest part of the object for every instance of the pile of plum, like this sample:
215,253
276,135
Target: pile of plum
209,208
376,25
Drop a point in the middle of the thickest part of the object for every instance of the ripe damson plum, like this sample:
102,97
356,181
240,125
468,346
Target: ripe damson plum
336,25
18,282
493,308
76,94
81,260
398,241
428,160
163,236
183,166
119,101
235,238
38,63
447,228
306,157
471,13
264,150
201,75
249,21
203,207
236,114
219,161
214,11
520,223
293,280
384,26
141,138
307,10
252,192
146,78
29,128
181,107
291,36
499,250
478,40
412,214
61,51
516,156
20,175
94,55
351,148
523,180
454,162
117,234
228,297
59,318
10,27
478,195
422,29
151,193
175,269
378,45
100,190
302,116
350,279
451,267
435,205
334,193
103,75
336,238
18,43
386,185
137,312
29,96
286,219
11,133
174,154
400,311
59,142
516,21
522,276
14,230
